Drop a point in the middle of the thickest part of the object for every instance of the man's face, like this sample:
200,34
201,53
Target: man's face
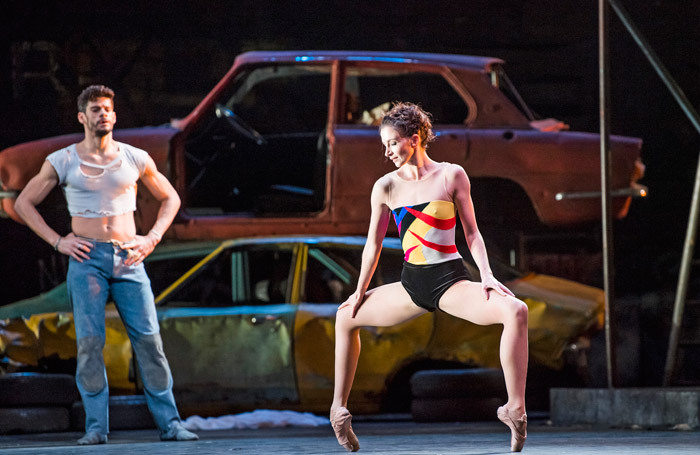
99,117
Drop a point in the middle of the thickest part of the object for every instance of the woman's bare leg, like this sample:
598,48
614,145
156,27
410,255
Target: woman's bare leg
384,306
466,301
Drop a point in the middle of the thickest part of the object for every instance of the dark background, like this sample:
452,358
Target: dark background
163,57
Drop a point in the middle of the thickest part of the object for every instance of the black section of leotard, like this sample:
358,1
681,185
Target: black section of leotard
426,283
408,218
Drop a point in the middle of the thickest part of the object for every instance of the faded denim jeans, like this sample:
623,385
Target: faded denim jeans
89,286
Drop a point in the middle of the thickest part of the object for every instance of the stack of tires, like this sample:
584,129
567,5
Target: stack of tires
465,395
36,402
126,412
46,403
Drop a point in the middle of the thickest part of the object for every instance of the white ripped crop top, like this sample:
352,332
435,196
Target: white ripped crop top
109,193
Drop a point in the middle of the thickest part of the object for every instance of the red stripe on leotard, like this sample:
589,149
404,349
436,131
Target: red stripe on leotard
408,252
435,246
440,223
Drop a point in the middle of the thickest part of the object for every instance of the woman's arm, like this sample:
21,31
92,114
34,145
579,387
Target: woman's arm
378,223
461,191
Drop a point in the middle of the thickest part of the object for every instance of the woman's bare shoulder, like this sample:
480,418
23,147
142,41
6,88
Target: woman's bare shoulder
454,171
385,182
452,167
383,187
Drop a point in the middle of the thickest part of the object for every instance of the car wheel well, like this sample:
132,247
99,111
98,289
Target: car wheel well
502,201
503,211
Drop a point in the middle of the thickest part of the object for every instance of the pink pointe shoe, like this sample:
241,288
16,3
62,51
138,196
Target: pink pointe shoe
518,428
340,421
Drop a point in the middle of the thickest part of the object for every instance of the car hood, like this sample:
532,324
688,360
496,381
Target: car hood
559,312
586,300
53,301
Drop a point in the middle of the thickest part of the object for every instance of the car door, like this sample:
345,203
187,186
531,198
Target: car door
260,153
227,328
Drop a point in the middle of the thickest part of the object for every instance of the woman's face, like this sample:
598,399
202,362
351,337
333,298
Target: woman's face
396,148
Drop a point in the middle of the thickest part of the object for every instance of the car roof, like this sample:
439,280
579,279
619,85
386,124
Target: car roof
172,249
349,240
471,62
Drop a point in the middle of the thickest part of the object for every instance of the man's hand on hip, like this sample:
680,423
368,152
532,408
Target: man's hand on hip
73,246
139,248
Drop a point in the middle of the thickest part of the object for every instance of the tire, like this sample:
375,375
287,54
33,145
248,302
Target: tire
462,383
126,412
34,420
37,389
468,409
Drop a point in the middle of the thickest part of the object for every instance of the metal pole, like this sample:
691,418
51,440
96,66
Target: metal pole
605,179
659,67
689,245
682,288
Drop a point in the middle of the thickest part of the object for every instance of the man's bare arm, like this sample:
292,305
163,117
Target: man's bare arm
32,195
162,190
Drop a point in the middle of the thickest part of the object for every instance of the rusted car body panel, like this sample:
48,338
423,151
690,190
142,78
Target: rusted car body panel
532,162
490,136
216,355
226,356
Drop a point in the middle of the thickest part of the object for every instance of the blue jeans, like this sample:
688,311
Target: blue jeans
89,285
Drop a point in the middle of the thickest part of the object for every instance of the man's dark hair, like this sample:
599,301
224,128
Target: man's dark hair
92,93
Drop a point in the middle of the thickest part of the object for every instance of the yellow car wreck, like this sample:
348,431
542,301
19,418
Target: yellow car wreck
249,323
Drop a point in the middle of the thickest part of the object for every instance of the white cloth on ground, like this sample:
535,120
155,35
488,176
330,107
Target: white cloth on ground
260,418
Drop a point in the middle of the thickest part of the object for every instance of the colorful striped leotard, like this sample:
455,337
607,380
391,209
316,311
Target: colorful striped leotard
427,232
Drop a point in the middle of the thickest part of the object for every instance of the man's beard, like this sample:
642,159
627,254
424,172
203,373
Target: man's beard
101,132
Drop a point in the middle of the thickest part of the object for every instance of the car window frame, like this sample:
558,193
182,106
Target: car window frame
441,70
224,91
348,279
228,93
291,291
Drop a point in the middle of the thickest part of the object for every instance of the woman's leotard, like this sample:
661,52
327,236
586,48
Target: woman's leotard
427,231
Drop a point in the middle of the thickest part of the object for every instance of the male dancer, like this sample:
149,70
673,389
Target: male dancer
98,176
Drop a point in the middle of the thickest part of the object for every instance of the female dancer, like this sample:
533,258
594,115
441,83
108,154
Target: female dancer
423,196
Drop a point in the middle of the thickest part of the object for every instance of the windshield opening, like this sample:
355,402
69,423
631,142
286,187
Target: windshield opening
501,81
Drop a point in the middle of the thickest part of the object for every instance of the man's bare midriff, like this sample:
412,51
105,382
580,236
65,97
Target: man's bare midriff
118,227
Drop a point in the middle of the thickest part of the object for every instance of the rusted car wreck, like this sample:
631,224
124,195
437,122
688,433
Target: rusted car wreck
269,148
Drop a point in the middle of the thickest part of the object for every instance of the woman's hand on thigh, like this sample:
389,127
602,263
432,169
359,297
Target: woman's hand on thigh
354,301
489,282
466,300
